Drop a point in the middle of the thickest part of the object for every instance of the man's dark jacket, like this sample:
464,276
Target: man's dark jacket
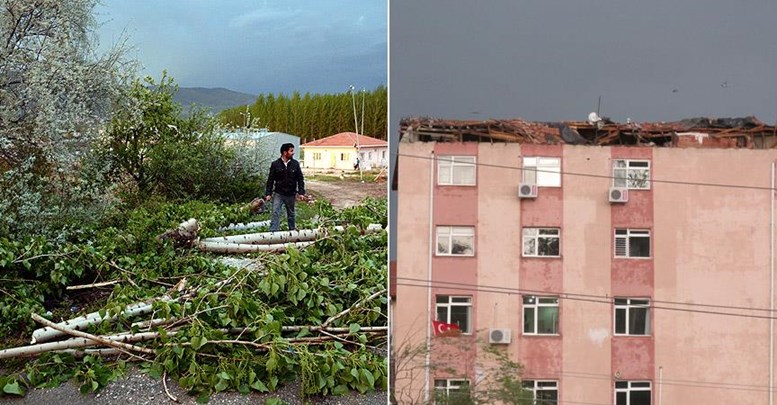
286,179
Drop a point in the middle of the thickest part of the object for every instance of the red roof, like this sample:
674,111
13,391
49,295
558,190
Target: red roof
347,139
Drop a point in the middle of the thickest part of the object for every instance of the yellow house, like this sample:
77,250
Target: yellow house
341,150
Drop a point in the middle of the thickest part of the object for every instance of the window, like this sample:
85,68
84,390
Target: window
456,170
455,240
455,310
450,391
632,243
317,156
540,315
632,174
542,171
632,316
541,242
632,393
543,392
343,156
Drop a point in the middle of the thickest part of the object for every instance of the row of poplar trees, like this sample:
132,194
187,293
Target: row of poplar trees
314,116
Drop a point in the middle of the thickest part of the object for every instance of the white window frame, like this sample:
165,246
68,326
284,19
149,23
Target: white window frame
627,307
455,301
629,170
451,232
538,303
542,171
631,388
622,242
451,385
535,234
316,155
448,164
541,385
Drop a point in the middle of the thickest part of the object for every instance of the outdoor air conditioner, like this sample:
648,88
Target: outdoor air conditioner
527,190
499,336
619,195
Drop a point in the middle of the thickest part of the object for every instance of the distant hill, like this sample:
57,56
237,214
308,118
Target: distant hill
215,100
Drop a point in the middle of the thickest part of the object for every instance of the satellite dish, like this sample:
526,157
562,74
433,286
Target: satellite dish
593,118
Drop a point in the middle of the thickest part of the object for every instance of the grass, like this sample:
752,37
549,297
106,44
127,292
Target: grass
352,177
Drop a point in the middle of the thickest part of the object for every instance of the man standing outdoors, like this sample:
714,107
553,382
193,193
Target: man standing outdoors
285,178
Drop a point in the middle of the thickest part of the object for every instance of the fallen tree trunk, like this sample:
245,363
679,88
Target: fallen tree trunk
219,247
75,343
183,236
98,339
82,322
284,236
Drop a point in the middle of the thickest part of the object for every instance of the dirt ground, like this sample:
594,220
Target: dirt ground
346,193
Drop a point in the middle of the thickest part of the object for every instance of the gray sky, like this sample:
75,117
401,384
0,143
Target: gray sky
550,60
255,46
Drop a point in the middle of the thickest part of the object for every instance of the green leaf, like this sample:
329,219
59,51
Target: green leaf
341,389
274,401
303,332
222,385
259,386
368,375
13,388
355,373
272,362
198,342
354,327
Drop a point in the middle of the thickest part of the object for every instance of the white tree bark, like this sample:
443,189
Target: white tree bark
218,247
283,236
241,226
82,322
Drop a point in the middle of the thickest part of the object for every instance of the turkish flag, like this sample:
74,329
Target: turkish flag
445,329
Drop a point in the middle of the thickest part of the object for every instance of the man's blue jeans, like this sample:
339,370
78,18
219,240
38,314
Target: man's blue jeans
288,201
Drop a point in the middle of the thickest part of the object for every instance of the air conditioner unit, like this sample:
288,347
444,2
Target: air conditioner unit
619,195
527,190
499,336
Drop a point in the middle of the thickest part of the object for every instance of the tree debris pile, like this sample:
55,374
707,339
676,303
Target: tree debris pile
746,132
314,313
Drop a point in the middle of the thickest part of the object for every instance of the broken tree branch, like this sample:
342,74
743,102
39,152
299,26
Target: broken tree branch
102,340
352,307
93,285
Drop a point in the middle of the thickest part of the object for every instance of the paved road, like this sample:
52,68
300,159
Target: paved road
139,389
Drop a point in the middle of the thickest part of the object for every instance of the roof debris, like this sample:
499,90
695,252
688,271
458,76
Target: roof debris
746,132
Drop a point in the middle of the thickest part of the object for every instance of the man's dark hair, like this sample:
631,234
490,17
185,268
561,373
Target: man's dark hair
286,146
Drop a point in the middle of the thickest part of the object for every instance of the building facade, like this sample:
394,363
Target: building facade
340,151
658,293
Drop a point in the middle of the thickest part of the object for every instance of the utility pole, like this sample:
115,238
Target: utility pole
356,128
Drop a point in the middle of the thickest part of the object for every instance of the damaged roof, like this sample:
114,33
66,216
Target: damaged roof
745,132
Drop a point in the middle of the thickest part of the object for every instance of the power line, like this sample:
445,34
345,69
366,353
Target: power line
540,292
601,176
599,300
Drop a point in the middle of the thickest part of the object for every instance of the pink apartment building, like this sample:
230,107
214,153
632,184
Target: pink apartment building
624,275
